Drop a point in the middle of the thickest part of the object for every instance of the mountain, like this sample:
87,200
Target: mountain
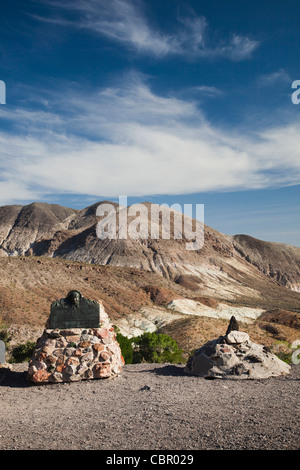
226,266
279,261
139,301
145,284
21,226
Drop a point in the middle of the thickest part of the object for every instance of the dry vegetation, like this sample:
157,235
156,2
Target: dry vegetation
192,332
28,285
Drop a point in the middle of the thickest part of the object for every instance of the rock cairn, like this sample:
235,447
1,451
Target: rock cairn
234,356
69,355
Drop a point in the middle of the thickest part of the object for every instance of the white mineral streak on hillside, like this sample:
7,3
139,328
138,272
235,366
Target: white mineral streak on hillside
148,320
152,318
192,307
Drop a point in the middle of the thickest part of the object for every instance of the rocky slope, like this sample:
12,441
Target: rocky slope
226,266
145,284
138,301
22,226
279,261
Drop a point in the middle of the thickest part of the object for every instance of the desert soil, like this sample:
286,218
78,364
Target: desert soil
152,407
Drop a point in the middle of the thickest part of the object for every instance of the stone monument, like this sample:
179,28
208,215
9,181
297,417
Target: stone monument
79,343
234,356
2,352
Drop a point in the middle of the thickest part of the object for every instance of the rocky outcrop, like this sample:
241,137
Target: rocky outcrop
69,355
278,261
222,310
234,356
228,265
22,226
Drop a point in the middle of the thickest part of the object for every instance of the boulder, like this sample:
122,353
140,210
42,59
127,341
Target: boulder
237,337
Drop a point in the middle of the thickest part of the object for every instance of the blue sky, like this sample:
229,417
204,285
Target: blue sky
167,101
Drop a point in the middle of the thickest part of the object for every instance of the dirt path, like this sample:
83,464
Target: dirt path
150,406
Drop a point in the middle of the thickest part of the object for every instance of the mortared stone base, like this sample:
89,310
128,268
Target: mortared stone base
69,355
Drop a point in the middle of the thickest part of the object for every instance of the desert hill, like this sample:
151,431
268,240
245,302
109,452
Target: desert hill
20,226
145,285
137,301
279,261
51,230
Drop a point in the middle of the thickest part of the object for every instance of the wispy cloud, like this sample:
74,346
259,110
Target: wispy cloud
274,78
206,90
124,21
129,140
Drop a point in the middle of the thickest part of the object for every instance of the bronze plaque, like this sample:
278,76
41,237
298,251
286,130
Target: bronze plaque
74,311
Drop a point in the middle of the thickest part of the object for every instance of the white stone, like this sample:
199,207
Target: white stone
237,337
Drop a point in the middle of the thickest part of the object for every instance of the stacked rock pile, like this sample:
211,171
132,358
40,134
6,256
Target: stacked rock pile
234,356
68,355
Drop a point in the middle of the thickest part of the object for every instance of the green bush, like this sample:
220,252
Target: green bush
23,352
285,356
283,351
158,348
149,347
126,348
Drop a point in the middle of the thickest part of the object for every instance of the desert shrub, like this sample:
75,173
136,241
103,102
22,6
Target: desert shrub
283,350
149,347
126,347
270,329
4,335
282,317
159,295
23,352
285,356
158,348
188,281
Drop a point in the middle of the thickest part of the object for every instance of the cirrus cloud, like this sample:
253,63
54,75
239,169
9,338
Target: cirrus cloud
124,22
129,140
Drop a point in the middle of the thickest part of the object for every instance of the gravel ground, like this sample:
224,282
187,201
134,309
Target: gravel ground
152,407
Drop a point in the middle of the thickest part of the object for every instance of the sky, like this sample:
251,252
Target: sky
174,101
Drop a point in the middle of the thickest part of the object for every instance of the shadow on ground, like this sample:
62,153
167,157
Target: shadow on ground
168,370
9,378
